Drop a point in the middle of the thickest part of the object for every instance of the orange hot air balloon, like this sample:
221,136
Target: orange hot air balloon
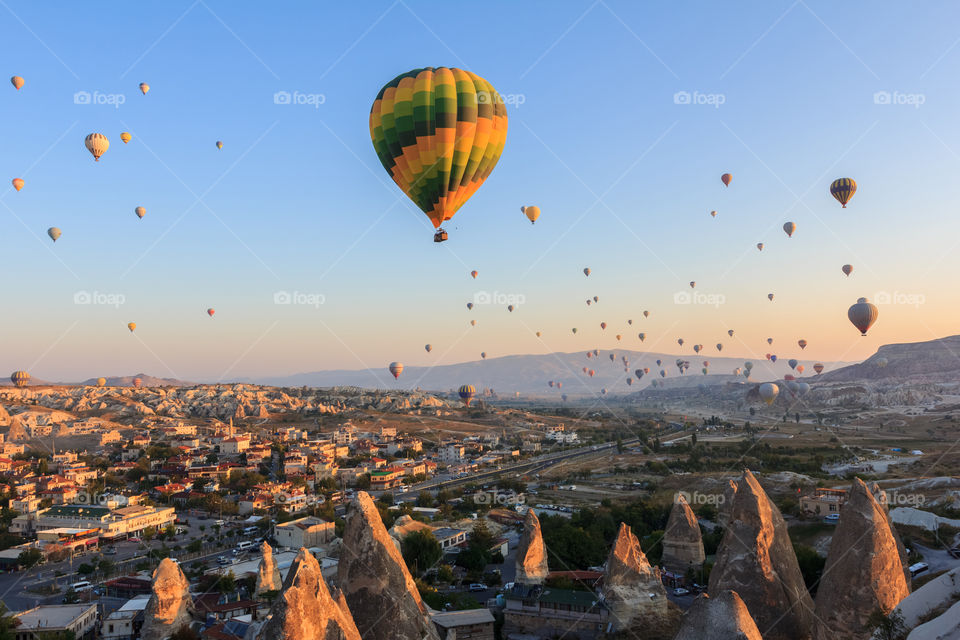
619,337
126,137
20,378
140,211
799,368
726,178
473,274
591,373
131,326
847,269
210,312
863,314
603,325
713,214
96,144
789,228
18,183
144,87
17,82
539,334
396,368
137,382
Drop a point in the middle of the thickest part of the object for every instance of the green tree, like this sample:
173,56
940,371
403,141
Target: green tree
29,558
421,551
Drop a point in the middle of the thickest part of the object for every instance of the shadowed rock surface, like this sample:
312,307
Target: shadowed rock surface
375,582
531,553
721,617
682,542
723,513
864,571
756,559
268,574
632,588
170,606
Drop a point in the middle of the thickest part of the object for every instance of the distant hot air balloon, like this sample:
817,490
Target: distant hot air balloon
882,362
629,382
713,214
703,371
748,365
663,373
726,178
642,336
658,363
532,213
647,369
800,368
219,144
466,393
759,246
646,314
132,326
612,357
140,211
54,233
802,343
769,392
510,308
428,347
596,298
591,373
483,355
438,132
603,325
539,334
769,340
589,354
559,385
473,323
473,274
20,378
792,362
847,269
574,330
630,322
619,337
137,382
693,284
18,183
586,271
550,384
770,297
17,82
696,348
818,367
596,352
773,358
789,228
843,189
589,302
768,356
788,377
680,341
396,368
730,332
469,306
101,382
96,144
603,391
563,397
719,346
144,87
211,311
863,314
126,137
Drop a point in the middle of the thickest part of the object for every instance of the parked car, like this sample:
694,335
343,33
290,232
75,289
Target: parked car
134,539
680,591
110,551
223,560
476,586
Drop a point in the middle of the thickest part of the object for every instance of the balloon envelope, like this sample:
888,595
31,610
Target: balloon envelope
726,178
769,392
17,82
20,378
863,314
532,213
789,228
17,183
843,189
396,368
96,144
126,137
54,233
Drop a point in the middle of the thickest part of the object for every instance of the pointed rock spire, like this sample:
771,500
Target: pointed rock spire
723,513
531,560
721,617
170,607
682,541
268,574
631,587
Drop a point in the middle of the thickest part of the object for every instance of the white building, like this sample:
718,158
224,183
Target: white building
452,453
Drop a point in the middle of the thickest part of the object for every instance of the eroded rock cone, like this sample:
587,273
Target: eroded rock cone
531,560
723,513
268,574
864,571
631,587
170,607
375,582
305,610
721,617
682,542
756,559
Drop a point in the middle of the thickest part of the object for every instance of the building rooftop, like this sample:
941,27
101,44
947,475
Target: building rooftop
77,511
449,619
52,616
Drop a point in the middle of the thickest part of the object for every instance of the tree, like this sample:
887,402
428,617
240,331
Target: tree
29,558
886,627
421,551
148,533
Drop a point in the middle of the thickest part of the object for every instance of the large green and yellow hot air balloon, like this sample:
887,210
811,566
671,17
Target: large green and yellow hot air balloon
438,132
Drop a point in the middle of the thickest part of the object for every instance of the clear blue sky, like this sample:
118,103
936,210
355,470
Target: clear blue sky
625,177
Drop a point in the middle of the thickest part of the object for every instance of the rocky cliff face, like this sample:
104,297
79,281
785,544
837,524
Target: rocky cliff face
375,582
723,512
306,610
170,606
682,542
268,575
756,559
864,571
631,587
531,560
723,616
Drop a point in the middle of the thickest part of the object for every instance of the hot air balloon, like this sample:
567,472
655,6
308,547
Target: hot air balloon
559,385
550,384
473,323
788,377
20,378
746,373
510,308
132,326
843,189
96,144
483,355
54,233
818,367
137,383
769,392
847,269
539,334
629,382
703,371
730,332
591,373
126,137
140,211
646,369
466,393
17,82
770,297
586,271
101,382
396,368
713,214
803,388
646,314
469,306
769,340
144,87
800,368
680,341
619,336
642,336
428,347
574,330
882,362
603,325
630,322
802,343
693,284
719,346
792,362
438,132
768,356
726,178
18,183
563,397
596,352
773,358
473,274
863,314
532,213
219,144
748,365
663,373
789,228
658,363
759,246
589,354
584,369
596,298
589,302
211,311
696,348
612,357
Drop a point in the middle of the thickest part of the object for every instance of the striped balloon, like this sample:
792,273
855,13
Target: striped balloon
438,132
20,378
466,393
843,189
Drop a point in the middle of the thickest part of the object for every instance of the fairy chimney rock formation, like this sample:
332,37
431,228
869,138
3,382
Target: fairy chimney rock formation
268,574
682,542
721,617
170,607
306,610
756,559
377,587
726,505
532,553
864,571
631,587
